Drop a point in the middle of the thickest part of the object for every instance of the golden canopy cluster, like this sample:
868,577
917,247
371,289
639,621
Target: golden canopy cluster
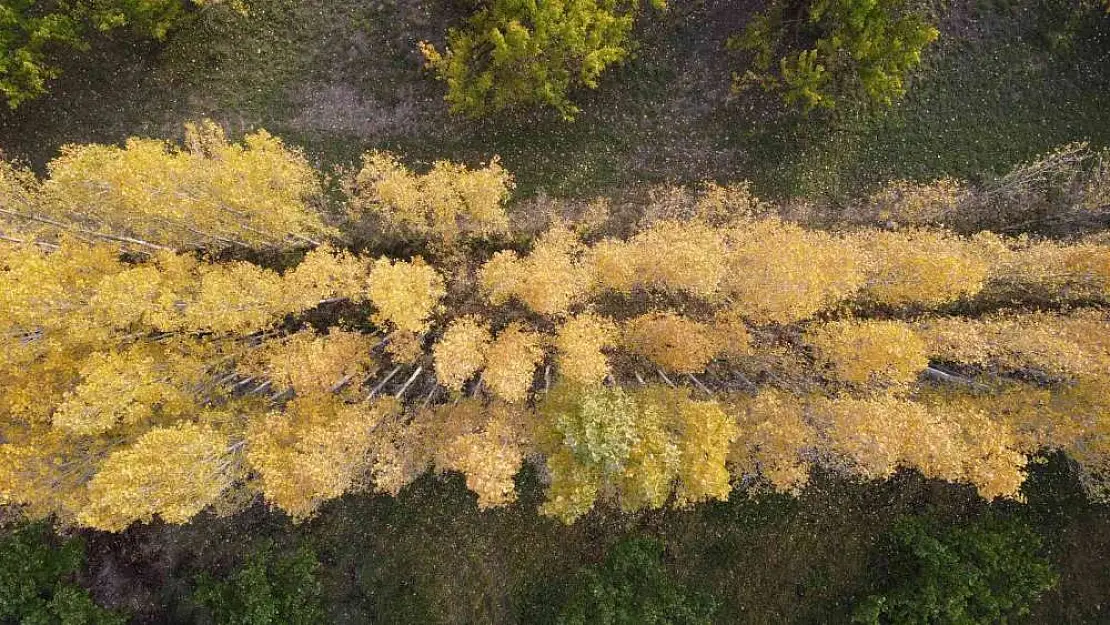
147,370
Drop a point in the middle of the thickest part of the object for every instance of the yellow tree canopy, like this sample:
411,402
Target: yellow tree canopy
173,472
315,450
209,193
448,203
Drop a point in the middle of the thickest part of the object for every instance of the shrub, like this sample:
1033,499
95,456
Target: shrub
983,573
443,205
27,36
632,587
523,53
143,18
269,589
36,586
861,49
31,31
1063,192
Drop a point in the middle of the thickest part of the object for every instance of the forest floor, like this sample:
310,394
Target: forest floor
339,77
429,556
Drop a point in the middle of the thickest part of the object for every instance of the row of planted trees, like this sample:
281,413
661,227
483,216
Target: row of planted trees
510,54
812,54
190,329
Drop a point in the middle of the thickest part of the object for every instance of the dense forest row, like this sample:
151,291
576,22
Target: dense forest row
149,372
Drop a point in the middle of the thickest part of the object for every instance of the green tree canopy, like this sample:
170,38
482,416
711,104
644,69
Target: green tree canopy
34,34
36,581
632,587
984,573
523,53
819,52
270,588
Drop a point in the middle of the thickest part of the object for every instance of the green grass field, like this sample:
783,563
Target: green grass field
340,77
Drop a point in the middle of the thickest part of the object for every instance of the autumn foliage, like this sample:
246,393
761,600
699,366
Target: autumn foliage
171,376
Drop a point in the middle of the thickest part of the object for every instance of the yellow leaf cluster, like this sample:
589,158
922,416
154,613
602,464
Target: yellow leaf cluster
235,298
1070,418
326,273
45,471
35,375
489,456
774,440
731,333
870,351
399,453
485,442
549,280
212,193
1087,402
778,272
580,344
87,291
871,433
448,202
614,265
991,458
430,429
671,341
130,386
406,294
640,447
173,472
405,346
314,450
705,435
670,255
1027,410
1073,344
574,487
310,363
489,465
461,352
681,256
511,363
654,456
1050,271
881,434
18,186
148,296
920,268
44,289
729,204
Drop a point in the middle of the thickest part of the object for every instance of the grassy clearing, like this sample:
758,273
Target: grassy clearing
339,77
979,110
